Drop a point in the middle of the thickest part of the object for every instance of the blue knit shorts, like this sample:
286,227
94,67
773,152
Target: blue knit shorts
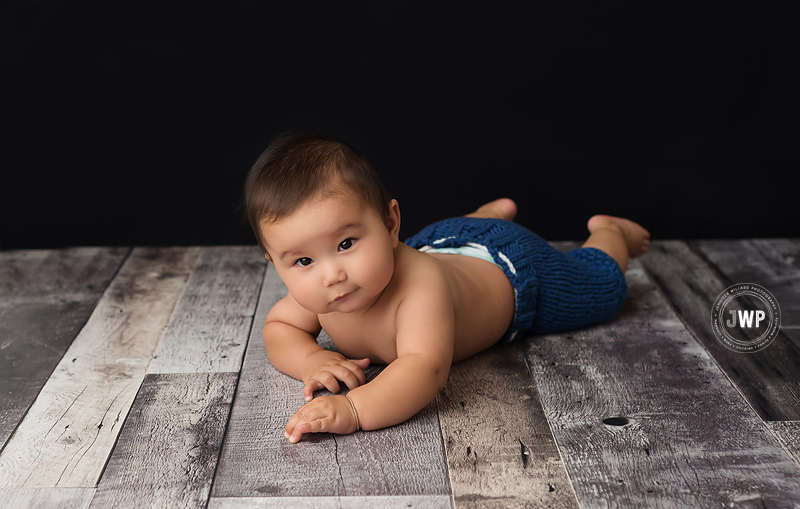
554,291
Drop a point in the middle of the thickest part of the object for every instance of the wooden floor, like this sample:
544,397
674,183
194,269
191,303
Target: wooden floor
137,378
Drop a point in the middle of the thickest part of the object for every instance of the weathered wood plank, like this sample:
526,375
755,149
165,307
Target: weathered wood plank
46,498
408,502
45,299
770,264
500,450
644,417
67,436
208,331
769,379
787,249
168,448
788,435
258,461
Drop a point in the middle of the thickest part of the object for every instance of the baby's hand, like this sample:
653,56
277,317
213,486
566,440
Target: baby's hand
328,414
334,369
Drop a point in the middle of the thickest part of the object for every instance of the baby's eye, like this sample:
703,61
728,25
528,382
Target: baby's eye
304,262
346,244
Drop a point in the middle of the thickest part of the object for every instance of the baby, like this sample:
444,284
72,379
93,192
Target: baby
324,220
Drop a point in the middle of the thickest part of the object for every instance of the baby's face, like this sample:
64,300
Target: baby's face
333,254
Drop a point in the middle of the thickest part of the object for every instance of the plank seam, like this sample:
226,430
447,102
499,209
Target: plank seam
776,435
452,495
116,441
660,290
79,329
172,315
696,250
534,387
235,389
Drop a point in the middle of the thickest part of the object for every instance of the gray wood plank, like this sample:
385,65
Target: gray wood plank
408,502
500,450
45,299
644,417
167,451
691,281
208,331
46,498
787,249
771,263
258,461
168,448
65,439
788,435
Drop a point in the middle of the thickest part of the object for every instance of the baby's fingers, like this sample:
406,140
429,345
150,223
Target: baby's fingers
320,379
330,376
309,388
328,414
291,432
350,374
307,420
356,367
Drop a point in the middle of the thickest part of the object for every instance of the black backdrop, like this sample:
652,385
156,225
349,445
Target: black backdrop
134,123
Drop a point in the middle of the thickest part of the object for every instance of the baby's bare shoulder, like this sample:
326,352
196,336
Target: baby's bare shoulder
425,312
420,276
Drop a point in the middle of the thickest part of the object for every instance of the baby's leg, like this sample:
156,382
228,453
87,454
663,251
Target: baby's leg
503,208
619,238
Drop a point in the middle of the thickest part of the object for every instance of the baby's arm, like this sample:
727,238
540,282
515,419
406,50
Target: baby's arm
289,338
425,336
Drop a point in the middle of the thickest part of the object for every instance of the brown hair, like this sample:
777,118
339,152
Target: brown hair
297,167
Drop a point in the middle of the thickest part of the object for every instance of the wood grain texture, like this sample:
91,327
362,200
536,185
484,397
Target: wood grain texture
644,417
46,498
787,249
500,450
692,275
67,436
168,448
45,299
788,435
768,263
408,502
257,461
208,332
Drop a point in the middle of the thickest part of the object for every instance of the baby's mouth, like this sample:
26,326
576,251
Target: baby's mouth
342,297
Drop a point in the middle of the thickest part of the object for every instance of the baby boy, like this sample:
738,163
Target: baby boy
325,221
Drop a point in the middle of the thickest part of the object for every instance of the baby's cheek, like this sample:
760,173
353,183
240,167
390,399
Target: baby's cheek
382,269
304,297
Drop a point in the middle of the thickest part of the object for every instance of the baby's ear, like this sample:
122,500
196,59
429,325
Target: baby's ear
392,222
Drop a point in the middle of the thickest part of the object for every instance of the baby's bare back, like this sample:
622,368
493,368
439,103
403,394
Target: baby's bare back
483,299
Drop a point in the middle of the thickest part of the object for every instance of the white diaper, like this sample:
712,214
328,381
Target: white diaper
470,249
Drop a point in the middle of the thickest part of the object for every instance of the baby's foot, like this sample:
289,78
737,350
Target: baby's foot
636,237
503,208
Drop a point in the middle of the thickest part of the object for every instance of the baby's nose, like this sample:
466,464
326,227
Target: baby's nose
334,275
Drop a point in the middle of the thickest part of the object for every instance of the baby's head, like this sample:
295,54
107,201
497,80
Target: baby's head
325,221
297,168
